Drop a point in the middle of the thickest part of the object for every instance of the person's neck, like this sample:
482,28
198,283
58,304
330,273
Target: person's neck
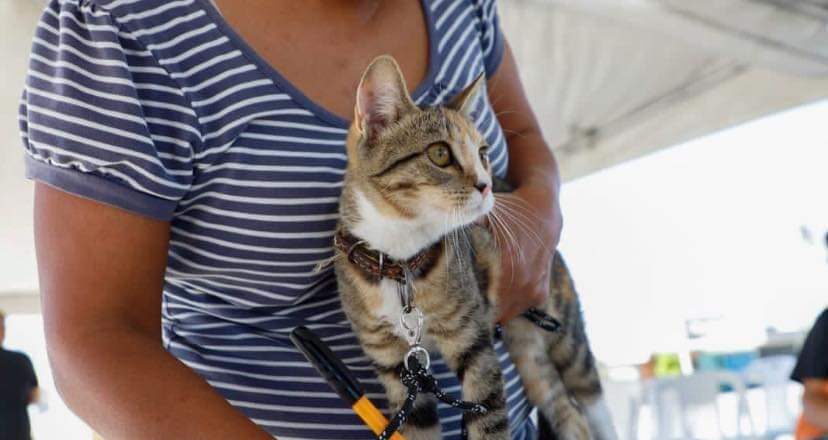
361,12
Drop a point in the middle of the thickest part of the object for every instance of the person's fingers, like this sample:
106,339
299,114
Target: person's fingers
514,303
536,298
541,291
507,314
507,308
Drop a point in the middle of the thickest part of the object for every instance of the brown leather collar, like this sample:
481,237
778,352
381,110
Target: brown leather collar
376,265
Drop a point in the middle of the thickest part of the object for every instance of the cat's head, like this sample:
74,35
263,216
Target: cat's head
419,168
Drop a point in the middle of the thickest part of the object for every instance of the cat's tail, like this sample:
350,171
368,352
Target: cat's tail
569,351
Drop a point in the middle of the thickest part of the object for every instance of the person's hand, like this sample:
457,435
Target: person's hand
527,226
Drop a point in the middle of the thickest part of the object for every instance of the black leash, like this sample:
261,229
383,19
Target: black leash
418,380
537,317
542,319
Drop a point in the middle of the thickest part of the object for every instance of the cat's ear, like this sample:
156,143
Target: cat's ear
382,98
465,101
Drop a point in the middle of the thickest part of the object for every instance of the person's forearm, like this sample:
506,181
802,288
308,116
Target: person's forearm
533,209
533,170
815,410
531,162
126,386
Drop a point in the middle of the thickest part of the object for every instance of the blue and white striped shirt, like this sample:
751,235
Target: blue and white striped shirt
158,107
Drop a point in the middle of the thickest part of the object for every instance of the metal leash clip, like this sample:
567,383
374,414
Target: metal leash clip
412,322
405,288
413,335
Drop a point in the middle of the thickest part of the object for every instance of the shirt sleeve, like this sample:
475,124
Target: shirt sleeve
31,376
813,359
491,37
101,118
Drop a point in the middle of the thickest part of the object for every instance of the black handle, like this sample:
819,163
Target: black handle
338,376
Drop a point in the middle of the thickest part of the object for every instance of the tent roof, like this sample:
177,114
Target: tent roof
610,80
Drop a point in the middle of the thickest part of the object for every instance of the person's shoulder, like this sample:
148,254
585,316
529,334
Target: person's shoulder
15,356
821,323
111,4
122,4
138,13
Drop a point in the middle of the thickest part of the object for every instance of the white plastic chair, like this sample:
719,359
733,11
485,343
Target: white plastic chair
624,402
772,373
677,400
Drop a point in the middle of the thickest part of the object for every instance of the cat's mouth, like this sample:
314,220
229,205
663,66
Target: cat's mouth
477,207
486,203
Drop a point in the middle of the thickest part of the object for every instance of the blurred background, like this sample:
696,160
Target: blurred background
692,140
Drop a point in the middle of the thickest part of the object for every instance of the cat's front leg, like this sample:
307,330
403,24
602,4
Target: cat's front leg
541,380
470,353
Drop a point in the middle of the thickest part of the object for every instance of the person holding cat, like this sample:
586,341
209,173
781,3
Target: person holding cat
188,159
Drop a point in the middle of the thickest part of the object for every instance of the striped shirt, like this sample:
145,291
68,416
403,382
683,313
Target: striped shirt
159,108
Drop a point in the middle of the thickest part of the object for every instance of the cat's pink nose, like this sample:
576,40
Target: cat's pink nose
483,187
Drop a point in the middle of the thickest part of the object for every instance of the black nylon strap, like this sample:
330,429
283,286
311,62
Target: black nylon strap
537,317
542,319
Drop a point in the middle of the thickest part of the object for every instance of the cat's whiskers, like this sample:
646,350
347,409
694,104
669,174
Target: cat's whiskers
446,249
449,239
514,245
518,203
455,213
496,237
520,216
463,239
497,213
515,133
523,223
467,240
521,209
499,227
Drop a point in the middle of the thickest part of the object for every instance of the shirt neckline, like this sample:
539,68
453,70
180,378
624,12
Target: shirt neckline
295,93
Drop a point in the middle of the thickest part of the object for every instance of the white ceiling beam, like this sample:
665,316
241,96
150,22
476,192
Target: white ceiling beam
20,302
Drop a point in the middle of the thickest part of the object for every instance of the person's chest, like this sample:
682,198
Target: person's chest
323,49
260,213
11,377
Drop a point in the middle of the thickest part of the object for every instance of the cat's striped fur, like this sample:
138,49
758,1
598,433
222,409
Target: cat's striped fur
399,201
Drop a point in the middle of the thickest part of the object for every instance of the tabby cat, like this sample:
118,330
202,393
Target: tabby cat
417,182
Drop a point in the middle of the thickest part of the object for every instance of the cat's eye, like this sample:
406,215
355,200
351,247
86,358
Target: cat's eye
439,153
484,155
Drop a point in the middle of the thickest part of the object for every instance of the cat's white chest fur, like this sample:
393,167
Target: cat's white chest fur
397,237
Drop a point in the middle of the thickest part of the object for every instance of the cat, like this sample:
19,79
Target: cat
417,184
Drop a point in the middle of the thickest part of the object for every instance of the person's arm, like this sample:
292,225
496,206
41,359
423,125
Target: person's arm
34,396
34,391
101,274
815,402
533,173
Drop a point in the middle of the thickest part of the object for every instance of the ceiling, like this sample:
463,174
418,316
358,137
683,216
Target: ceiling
610,80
